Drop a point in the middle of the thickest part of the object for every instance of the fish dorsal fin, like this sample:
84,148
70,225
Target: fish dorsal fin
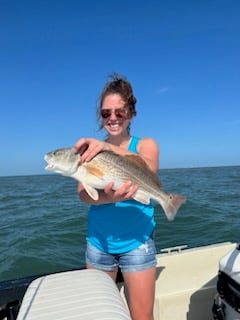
137,160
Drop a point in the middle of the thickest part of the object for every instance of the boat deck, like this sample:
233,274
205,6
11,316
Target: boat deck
185,283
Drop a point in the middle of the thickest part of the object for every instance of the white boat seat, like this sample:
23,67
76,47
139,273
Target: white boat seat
73,295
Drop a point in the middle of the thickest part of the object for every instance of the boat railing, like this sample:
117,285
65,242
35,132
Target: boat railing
174,249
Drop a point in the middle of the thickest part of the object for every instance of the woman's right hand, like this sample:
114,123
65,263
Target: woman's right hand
88,148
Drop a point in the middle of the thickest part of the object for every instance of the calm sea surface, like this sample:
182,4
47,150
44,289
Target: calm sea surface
43,223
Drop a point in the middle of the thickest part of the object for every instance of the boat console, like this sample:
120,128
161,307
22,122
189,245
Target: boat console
227,300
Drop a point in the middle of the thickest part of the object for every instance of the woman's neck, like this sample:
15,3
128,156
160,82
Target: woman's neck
121,141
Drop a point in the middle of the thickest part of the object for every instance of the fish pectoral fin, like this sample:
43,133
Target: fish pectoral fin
140,197
93,193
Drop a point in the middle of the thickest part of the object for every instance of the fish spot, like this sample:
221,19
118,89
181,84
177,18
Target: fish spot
94,171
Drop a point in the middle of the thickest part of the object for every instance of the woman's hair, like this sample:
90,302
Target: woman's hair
118,85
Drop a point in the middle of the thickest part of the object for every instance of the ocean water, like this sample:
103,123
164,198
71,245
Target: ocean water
43,223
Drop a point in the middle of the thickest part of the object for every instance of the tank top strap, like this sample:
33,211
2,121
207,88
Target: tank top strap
133,144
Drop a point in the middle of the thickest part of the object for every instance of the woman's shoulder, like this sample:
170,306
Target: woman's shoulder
148,146
148,149
148,141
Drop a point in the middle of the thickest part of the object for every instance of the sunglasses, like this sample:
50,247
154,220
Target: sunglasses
119,113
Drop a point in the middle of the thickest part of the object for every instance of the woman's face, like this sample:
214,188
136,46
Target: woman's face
115,115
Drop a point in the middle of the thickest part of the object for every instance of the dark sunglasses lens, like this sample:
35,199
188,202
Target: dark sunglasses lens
105,113
119,113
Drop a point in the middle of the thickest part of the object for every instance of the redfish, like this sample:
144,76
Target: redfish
107,167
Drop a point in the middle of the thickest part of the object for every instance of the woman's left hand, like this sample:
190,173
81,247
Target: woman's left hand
124,192
108,195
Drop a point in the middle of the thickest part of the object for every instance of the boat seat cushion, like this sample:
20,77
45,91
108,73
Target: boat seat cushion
81,294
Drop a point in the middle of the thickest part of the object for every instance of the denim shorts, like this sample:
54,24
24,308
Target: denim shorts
139,259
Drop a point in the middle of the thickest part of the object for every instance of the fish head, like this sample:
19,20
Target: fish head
64,161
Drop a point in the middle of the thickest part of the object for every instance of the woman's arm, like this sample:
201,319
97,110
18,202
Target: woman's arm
88,148
148,150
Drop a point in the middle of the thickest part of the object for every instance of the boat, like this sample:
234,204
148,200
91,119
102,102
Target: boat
188,285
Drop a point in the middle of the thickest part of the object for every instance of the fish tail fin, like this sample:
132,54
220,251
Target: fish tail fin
172,204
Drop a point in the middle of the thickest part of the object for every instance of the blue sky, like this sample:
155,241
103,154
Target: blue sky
182,58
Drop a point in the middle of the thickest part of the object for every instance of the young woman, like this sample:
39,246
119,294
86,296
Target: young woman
120,229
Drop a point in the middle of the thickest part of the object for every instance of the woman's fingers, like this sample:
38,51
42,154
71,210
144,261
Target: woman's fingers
88,148
124,192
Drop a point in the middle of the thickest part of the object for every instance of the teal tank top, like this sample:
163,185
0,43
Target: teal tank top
123,226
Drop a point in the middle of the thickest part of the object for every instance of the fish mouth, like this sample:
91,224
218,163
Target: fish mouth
49,165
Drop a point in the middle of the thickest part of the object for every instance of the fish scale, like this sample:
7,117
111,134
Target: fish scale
137,175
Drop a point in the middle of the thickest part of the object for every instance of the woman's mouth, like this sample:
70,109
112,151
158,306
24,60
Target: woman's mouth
114,125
